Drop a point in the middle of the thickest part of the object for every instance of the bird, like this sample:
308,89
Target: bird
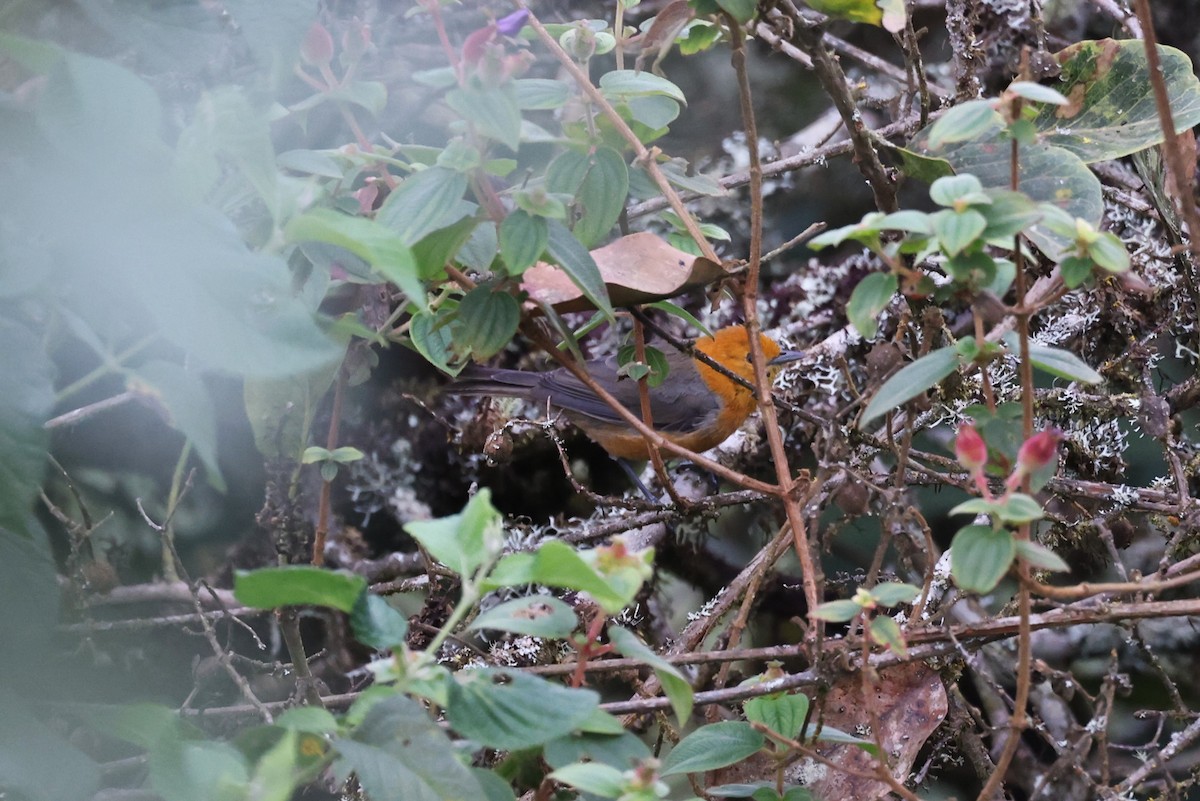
695,407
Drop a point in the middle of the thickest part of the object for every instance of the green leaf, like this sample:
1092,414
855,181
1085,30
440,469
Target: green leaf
296,585
1075,270
740,10
465,541
1109,253
886,632
399,754
837,611
601,780
523,240
511,710
599,182
782,713
493,111
188,406
377,623
276,773
425,202
281,410
854,10
965,121
1057,362
38,763
869,298
1045,173
432,336
980,556
1041,557
957,231
487,321
26,400
1112,112
619,750
955,189
567,252
676,686
1019,508
621,84
536,615
911,381
716,745
541,94
380,247
1037,93
556,564
894,592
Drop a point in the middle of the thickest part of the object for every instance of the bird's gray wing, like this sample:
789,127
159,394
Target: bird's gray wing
682,402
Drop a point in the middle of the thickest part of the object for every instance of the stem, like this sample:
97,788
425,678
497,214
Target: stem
783,472
323,504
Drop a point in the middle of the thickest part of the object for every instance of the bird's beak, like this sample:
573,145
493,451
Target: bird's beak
787,356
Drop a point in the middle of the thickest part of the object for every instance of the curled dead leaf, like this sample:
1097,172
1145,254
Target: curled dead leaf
639,268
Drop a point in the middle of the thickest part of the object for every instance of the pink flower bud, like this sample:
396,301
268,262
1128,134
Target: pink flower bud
476,43
317,49
356,40
1038,451
969,448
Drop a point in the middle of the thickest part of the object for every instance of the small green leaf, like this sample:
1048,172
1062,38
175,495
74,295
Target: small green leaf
541,94
1037,93
869,298
886,632
1075,270
1041,557
965,121
1019,508
598,181
556,564
590,777
911,381
495,111
716,745
346,454
782,713
837,611
894,592
536,615
622,84
954,189
377,623
980,556
1109,252
424,202
297,585
1056,361
674,683
509,709
464,541
384,250
523,240
569,254
957,231
487,321
740,10
310,719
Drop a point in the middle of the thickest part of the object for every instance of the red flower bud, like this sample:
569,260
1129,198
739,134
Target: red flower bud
969,448
317,48
476,44
1038,451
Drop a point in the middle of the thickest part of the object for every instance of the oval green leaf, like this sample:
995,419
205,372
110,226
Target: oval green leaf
980,556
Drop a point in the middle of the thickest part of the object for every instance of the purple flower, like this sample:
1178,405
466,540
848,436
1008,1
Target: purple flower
511,25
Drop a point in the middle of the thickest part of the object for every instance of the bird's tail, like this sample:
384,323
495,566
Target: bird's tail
475,380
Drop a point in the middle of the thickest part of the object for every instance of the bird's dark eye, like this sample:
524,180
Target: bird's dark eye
750,358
